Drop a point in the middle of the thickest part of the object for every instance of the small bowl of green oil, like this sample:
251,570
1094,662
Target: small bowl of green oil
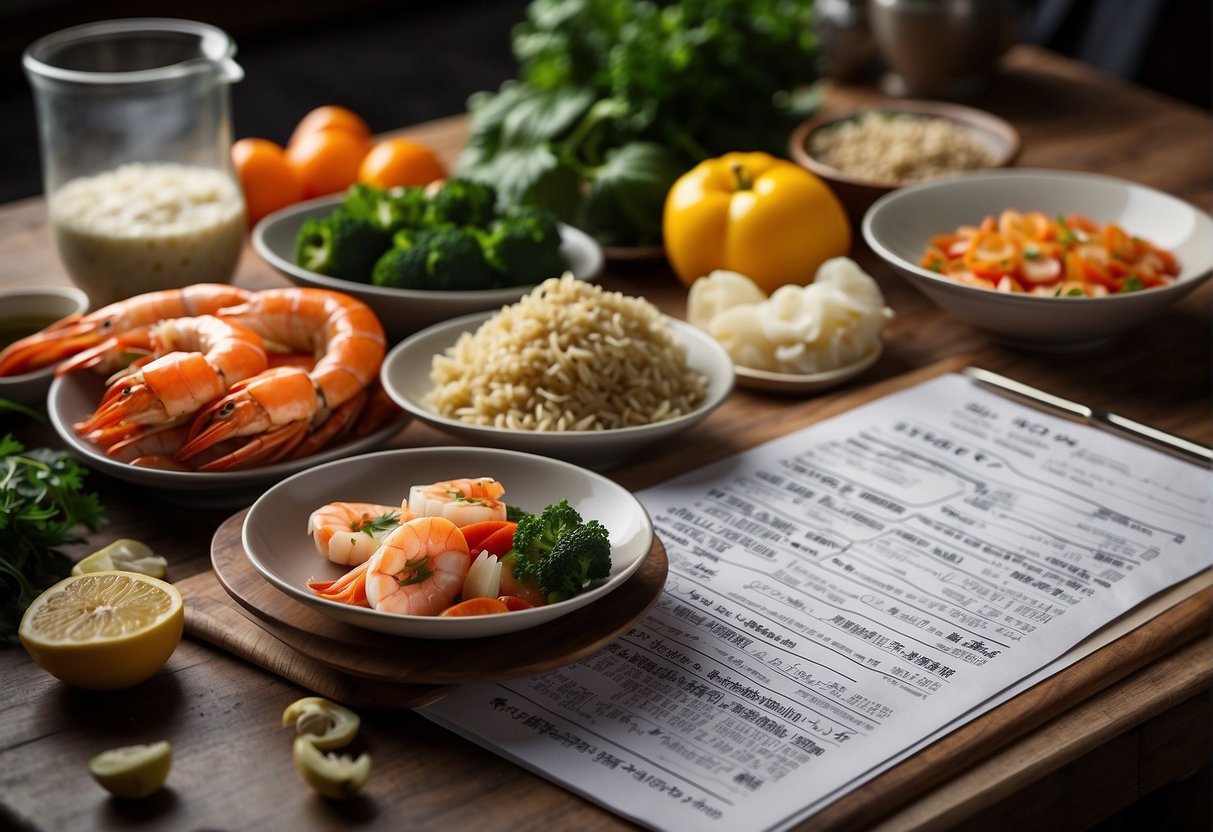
25,312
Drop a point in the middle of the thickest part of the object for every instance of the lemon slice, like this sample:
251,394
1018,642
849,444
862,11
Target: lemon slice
104,630
134,771
127,555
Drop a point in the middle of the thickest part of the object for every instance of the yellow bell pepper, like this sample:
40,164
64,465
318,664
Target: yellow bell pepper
752,213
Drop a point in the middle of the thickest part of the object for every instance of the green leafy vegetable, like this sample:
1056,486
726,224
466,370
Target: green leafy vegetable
43,502
695,78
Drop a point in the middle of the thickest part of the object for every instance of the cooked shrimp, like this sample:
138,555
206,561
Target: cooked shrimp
342,331
460,501
199,359
76,333
419,568
349,533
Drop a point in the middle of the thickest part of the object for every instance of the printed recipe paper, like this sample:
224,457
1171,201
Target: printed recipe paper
839,595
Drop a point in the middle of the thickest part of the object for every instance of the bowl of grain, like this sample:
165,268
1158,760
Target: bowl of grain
570,371
864,154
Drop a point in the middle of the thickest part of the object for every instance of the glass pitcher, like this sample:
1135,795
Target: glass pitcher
134,127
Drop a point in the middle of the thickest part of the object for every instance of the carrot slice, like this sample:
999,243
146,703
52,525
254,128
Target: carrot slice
476,533
499,542
476,606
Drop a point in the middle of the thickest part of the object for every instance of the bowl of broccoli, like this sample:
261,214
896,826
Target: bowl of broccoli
418,256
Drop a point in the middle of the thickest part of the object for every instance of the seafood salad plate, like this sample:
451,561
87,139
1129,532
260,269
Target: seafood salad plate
395,541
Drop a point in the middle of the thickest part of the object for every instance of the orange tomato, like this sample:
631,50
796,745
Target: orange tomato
268,179
331,117
327,160
394,162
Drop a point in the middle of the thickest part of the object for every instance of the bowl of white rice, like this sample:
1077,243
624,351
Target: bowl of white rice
570,371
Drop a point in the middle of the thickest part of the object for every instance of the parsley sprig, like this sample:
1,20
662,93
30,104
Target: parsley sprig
43,503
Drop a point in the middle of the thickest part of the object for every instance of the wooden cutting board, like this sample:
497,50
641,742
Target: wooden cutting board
236,609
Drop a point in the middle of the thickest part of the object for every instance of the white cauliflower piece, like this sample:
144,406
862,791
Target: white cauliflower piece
718,291
834,321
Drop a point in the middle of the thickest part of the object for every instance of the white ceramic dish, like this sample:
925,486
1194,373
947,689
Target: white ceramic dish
405,311
804,383
276,540
898,226
74,396
405,376
43,303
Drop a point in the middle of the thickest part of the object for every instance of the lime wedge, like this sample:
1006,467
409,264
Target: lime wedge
133,771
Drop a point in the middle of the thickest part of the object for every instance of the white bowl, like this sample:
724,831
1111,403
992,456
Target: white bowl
405,376
275,528
41,305
404,311
73,397
899,225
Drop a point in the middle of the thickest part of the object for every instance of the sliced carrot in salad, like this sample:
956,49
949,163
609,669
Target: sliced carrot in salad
476,606
494,536
1069,255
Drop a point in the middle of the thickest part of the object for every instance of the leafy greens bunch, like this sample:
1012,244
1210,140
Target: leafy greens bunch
617,98
43,502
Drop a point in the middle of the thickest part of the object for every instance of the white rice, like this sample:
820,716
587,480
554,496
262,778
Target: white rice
567,356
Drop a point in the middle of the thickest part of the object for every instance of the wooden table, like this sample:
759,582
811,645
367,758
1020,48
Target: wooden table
232,764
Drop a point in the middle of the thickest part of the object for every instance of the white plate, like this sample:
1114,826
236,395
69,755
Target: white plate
405,376
898,226
792,383
275,528
404,311
73,397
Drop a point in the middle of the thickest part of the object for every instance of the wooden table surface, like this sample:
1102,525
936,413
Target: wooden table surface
232,766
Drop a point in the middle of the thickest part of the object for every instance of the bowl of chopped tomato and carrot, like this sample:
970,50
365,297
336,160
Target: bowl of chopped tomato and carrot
1043,258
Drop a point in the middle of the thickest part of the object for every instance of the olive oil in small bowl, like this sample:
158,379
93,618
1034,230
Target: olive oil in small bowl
24,312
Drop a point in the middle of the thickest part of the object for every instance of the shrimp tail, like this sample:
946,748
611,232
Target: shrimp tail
350,588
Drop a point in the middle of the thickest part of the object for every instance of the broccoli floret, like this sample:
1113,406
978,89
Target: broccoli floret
340,245
388,209
462,202
446,260
560,552
580,556
523,247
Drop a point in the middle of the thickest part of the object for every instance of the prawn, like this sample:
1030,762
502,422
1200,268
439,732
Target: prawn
462,501
76,333
418,569
349,343
198,360
349,533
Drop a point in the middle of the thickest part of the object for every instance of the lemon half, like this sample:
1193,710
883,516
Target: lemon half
104,630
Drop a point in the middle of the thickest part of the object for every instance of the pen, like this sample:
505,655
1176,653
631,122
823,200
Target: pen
1098,418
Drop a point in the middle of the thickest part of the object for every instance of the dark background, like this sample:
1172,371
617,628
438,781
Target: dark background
398,63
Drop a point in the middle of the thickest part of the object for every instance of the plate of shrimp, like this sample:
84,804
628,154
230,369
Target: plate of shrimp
378,541
214,388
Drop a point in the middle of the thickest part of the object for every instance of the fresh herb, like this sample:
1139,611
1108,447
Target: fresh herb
1133,284
687,80
372,526
43,501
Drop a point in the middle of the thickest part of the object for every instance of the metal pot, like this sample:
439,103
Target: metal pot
941,48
